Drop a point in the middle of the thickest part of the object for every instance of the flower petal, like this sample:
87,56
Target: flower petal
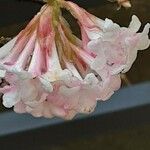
135,24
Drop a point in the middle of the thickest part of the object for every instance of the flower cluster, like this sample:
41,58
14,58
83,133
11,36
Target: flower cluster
47,71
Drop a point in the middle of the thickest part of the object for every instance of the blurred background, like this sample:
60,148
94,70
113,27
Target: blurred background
14,15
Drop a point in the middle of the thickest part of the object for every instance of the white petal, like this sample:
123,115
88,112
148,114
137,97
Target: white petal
2,73
131,58
110,26
144,41
135,24
94,45
93,33
23,75
98,63
46,84
11,98
91,79
74,71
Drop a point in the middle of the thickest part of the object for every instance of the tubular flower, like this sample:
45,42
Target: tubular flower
47,71
115,48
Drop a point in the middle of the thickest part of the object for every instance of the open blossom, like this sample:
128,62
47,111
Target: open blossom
115,48
47,71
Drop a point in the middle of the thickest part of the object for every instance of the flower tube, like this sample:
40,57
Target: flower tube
114,47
